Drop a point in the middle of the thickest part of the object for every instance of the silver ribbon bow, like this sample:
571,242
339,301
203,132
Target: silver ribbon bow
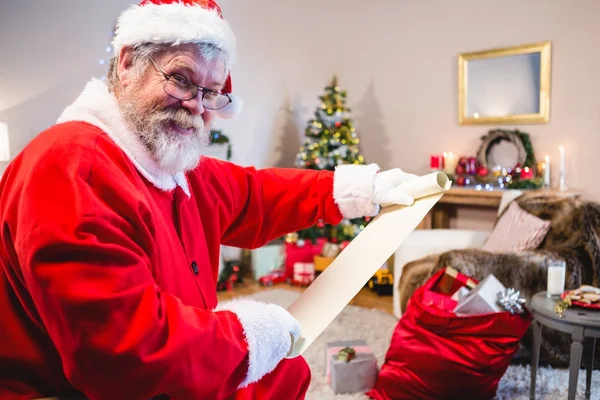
511,301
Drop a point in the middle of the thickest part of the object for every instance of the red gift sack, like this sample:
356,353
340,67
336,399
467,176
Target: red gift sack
435,354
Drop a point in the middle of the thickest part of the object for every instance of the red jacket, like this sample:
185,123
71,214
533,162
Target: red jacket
108,269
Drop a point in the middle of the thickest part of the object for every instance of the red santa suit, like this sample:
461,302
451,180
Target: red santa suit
109,265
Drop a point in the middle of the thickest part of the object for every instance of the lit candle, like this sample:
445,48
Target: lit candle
526,173
450,162
547,171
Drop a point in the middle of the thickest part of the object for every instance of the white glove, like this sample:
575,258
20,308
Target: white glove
360,190
268,329
386,191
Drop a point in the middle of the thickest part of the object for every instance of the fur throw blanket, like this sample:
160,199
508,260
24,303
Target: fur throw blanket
574,236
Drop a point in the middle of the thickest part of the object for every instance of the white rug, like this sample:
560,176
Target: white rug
376,327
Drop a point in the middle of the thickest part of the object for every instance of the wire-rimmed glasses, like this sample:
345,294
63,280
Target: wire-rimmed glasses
180,88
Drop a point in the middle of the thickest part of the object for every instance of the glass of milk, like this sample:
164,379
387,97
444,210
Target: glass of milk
556,278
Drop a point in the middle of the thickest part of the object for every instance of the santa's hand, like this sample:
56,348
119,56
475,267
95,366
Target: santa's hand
268,329
386,190
359,190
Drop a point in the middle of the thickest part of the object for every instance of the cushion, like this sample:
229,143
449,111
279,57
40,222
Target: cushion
517,230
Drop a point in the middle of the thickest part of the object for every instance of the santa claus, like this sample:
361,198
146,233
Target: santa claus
112,222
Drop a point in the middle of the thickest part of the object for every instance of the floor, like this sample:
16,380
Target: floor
365,298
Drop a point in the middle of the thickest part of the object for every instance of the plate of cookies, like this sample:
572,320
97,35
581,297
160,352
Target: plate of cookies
586,296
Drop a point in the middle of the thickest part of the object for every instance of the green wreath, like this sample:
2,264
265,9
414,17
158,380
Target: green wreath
520,139
526,156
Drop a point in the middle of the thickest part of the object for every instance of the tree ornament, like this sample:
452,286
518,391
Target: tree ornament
321,162
511,300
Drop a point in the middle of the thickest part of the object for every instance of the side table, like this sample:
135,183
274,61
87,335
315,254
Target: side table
580,322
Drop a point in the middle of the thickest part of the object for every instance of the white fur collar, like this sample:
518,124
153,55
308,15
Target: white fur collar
97,106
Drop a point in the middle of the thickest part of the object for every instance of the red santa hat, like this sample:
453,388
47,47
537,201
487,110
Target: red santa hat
177,22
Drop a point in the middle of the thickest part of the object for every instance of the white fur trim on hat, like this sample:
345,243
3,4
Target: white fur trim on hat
353,187
173,23
232,109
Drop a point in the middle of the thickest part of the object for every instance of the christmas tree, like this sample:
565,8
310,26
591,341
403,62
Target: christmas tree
330,140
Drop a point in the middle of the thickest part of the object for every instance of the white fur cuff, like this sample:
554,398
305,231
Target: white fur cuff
267,328
353,187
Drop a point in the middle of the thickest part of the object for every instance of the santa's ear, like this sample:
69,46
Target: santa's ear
125,65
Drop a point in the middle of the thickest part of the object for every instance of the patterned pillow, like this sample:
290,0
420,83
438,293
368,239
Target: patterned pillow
517,230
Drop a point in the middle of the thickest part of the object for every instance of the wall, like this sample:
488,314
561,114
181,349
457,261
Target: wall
397,59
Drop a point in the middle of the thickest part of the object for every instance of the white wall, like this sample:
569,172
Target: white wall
396,58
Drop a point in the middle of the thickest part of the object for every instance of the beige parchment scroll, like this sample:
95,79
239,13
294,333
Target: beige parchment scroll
335,287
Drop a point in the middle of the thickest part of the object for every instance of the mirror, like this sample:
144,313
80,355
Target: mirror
505,86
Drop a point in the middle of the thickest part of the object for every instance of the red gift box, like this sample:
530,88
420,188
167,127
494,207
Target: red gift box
442,290
301,254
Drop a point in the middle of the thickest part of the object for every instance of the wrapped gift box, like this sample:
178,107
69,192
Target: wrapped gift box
483,299
452,281
356,376
441,293
304,273
267,259
304,253
321,263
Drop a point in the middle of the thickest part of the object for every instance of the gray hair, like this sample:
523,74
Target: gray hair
142,53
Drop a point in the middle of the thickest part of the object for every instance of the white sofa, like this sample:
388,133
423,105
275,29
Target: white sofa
424,242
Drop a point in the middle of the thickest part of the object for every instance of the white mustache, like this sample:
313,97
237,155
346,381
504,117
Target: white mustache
182,118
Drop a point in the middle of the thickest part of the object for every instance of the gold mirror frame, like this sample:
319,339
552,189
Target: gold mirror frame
544,48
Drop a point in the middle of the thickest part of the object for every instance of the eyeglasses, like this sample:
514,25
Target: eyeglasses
180,88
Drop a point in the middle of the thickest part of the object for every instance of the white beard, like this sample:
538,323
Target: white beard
177,153
173,152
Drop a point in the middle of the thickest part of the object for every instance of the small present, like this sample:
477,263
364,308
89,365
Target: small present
448,288
483,299
351,366
301,251
330,250
321,263
304,273
451,281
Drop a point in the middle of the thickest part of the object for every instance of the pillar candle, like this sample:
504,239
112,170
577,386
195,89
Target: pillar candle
561,173
450,162
562,161
547,171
